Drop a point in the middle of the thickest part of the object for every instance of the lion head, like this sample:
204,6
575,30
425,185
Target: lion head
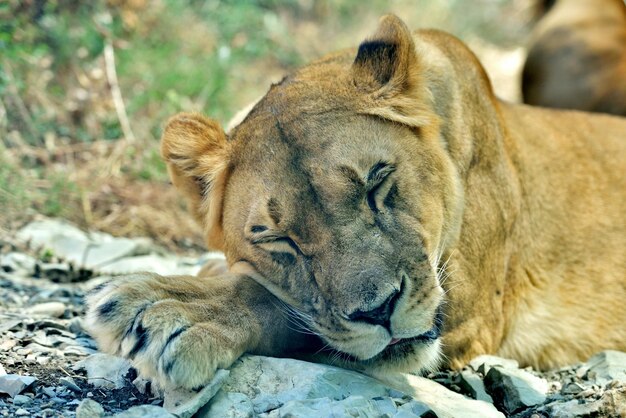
338,195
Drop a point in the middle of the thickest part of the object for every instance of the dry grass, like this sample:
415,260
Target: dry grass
86,86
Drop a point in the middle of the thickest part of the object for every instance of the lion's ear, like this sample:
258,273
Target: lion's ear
197,155
386,71
384,60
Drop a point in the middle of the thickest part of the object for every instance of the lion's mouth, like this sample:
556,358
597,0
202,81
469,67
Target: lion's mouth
425,338
399,345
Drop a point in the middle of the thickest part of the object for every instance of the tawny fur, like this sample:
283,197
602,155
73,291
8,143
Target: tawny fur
577,57
512,216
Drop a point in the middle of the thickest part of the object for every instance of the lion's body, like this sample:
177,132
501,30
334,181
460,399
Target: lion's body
577,57
564,249
506,218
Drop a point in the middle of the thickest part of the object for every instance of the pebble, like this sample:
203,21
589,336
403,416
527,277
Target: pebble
608,365
11,325
104,370
473,385
482,364
89,408
43,327
54,309
21,400
49,325
13,384
572,388
581,372
17,263
43,360
514,390
586,393
7,345
49,392
142,385
69,383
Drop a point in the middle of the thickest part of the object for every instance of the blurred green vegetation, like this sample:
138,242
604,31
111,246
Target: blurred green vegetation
61,127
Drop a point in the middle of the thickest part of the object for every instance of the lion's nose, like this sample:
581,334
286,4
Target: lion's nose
379,315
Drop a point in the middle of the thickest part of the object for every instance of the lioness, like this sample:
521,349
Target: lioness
577,57
383,207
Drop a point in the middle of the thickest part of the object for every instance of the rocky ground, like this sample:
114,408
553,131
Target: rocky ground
50,367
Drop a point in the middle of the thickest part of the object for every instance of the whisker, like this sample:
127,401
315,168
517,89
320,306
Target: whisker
446,291
303,323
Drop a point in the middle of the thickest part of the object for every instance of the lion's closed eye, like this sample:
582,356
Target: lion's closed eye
280,245
380,182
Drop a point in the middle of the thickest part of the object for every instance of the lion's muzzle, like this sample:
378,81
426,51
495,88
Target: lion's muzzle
381,314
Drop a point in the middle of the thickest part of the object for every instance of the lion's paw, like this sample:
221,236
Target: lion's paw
162,337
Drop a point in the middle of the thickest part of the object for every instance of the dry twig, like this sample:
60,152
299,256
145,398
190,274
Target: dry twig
76,376
116,93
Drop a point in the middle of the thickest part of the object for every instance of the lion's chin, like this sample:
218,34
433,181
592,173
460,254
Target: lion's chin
414,355
406,356
417,354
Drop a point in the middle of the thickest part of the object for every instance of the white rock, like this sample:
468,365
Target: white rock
228,404
13,384
105,253
271,382
53,309
612,403
141,385
185,403
97,255
514,389
49,392
70,383
324,407
104,370
42,233
285,387
444,402
572,388
145,411
482,364
10,324
18,263
6,345
154,263
473,385
91,250
89,408
608,365
21,400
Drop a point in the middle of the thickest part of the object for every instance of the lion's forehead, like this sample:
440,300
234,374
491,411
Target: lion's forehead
321,142
301,163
